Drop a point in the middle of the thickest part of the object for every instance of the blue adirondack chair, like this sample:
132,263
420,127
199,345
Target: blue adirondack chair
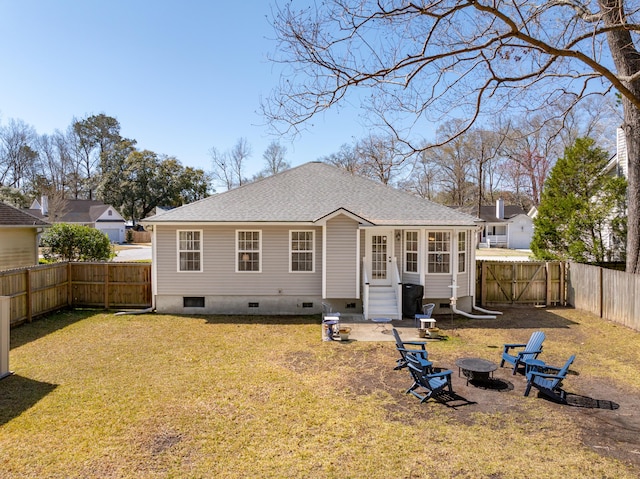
404,347
529,351
427,384
548,380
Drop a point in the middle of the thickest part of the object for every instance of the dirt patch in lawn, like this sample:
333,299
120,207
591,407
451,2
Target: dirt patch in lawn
606,414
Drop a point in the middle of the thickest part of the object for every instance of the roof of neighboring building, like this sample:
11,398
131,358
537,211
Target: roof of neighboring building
78,211
488,213
311,192
12,216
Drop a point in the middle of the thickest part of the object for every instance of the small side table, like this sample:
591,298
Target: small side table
382,322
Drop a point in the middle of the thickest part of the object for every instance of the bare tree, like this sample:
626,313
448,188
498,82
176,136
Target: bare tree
222,173
274,158
239,155
419,61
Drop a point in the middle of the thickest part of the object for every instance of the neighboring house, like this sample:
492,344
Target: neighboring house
505,227
94,214
18,237
618,166
312,234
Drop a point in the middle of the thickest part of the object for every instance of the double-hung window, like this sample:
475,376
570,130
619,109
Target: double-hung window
248,251
411,251
462,252
302,251
189,250
439,252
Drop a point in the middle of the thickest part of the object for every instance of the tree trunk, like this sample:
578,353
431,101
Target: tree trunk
627,61
632,133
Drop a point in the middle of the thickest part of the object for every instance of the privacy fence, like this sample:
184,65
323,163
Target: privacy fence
526,283
41,289
610,294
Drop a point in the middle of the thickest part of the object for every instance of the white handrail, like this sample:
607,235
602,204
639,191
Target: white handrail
365,288
398,288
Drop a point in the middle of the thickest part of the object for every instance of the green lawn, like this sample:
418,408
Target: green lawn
155,396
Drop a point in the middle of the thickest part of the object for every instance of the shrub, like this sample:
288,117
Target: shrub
67,242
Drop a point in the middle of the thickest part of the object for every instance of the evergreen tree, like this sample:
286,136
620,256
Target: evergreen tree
581,214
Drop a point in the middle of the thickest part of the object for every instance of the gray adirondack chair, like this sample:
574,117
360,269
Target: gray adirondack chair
548,380
529,351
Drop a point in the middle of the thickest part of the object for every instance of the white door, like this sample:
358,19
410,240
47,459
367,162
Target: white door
379,254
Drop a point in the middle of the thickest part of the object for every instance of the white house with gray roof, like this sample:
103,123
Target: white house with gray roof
312,234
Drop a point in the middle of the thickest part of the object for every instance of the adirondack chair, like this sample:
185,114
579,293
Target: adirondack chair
529,351
548,380
426,384
404,347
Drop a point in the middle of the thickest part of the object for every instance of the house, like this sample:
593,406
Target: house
618,166
94,214
18,237
311,234
505,226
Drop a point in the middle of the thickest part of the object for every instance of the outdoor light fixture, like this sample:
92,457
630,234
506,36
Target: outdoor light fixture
398,236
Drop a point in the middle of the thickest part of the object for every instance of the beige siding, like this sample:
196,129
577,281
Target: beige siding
219,276
342,258
17,248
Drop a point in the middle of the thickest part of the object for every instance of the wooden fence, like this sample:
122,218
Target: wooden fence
140,236
527,282
610,294
41,289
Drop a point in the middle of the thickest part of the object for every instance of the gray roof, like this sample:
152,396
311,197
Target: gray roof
11,216
78,211
311,192
488,213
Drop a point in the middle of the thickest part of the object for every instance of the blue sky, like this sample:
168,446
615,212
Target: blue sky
180,76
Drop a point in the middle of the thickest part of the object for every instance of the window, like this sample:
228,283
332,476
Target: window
249,246
438,256
411,251
302,248
189,250
462,252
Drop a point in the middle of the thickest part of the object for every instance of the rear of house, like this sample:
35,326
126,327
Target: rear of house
313,234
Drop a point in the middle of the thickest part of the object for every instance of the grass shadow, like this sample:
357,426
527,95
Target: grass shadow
260,319
18,394
512,318
47,324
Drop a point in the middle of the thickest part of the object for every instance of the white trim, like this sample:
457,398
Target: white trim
324,261
253,251
450,232
466,251
341,211
154,268
312,251
358,262
200,251
405,251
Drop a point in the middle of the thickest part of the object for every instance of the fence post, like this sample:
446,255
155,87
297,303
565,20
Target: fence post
28,298
547,272
106,285
5,335
69,286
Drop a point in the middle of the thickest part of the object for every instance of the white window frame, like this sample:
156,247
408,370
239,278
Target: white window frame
199,251
239,251
416,251
312,251
447,252
462,253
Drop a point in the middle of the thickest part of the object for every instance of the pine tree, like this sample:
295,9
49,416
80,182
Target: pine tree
580,205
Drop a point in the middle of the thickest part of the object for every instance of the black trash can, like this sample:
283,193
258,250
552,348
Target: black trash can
411,299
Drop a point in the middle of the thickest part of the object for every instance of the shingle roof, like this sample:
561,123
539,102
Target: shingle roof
488,213
78,211
310,192
10,216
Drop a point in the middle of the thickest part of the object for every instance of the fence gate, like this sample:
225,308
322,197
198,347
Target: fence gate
538,283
